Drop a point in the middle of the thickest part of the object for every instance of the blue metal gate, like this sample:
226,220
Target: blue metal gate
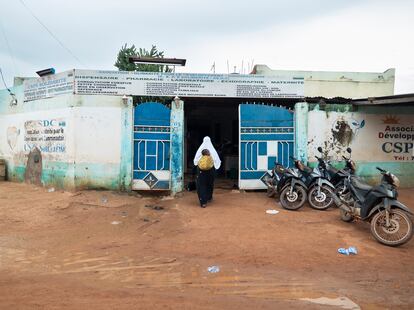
266,136
151,169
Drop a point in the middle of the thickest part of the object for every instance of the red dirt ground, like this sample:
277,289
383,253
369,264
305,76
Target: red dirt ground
60,250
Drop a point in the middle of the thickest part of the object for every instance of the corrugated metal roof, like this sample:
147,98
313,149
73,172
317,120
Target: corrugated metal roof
395,99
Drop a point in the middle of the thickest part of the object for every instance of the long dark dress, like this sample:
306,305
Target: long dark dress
205,185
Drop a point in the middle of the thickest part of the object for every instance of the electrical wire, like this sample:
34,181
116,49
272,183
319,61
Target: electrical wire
51,33
4,82
8,47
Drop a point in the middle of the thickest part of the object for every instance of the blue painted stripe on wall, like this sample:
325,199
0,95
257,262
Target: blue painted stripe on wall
139,175
249,156
263,113
141,153
242,157
162,185
152,114
151,147
262,148
254,158
151,136
271,162
258,123
266,137
251,175
160,158
167,156
135,152
151,163
286,154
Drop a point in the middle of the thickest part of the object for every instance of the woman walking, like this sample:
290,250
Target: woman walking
207,162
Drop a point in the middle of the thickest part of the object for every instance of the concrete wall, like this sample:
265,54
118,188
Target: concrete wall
378,135
339,84
88,139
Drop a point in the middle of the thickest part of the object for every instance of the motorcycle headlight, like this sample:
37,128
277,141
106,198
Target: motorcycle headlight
395,180
280,169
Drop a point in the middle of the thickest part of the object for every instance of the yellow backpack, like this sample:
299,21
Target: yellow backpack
205,163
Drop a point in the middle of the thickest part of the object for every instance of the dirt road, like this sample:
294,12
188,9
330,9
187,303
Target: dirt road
103,250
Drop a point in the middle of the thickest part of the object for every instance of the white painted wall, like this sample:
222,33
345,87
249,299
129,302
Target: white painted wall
15,149
98,134
91,128
330,84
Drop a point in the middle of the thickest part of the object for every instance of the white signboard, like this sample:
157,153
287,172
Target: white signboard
372,137
186,84
46,134
390,136
48,86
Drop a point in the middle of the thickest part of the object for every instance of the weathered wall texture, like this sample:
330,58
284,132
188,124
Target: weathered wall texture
81,139
378,136
340,84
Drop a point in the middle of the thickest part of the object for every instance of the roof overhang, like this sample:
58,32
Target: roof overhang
395,99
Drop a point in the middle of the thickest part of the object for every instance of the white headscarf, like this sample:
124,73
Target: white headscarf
209,146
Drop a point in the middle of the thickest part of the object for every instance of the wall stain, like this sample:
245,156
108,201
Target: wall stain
342,132
33,173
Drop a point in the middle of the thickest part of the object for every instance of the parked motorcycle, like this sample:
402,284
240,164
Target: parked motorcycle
292,186
338,177
390,221
320,188
272,182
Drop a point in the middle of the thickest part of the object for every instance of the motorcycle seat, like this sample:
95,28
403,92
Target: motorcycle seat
361,185
302,167
333,170
306,169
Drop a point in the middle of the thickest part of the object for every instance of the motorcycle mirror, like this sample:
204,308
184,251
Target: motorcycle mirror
320,149
349,150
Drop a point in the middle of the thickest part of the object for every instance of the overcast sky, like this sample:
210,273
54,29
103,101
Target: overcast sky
297,35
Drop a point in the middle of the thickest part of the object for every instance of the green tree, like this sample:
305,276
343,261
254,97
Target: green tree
123,64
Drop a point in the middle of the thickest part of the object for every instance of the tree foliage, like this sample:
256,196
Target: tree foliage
123,64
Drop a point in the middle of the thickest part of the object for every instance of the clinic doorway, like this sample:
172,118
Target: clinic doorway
271,122
218,119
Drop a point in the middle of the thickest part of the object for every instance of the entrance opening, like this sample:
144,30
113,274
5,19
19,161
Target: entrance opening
217,118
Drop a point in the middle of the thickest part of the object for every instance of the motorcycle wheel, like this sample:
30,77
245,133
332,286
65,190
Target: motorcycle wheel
341,189
399,232
270,192
322,201
293,200
346,216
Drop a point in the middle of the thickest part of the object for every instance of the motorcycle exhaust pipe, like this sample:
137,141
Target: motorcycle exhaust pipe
345,208
338,202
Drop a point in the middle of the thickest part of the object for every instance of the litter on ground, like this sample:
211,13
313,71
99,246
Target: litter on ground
349,251
213,269
270,211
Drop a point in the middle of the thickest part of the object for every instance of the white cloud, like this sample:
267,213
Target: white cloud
350,40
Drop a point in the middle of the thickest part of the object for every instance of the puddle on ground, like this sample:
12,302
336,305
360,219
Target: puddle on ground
343,302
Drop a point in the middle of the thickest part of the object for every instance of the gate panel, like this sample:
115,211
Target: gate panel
266,136
151,166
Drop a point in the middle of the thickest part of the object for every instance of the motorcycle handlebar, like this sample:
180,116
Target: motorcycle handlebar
382,170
